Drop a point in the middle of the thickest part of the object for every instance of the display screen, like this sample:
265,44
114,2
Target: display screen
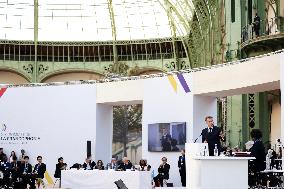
166,137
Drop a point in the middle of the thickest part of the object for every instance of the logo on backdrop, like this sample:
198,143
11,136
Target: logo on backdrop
8,136
3,127
2,91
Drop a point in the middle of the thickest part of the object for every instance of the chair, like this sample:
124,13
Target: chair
57,180
120,185
40,182
167,184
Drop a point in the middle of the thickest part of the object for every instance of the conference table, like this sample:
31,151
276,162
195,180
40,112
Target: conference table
104,179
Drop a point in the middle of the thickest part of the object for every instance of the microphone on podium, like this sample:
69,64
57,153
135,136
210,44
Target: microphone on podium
197,138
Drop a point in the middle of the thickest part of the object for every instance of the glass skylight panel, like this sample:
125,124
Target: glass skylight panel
80,23
87,20
16,20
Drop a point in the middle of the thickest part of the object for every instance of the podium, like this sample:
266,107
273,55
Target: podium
214,172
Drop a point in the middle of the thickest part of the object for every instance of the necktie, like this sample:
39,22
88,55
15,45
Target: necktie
210,130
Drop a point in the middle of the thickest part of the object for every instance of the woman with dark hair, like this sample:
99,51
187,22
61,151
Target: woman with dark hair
100,165
257,151
143,165
13,156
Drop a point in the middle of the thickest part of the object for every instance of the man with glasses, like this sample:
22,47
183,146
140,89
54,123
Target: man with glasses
89,164
163,173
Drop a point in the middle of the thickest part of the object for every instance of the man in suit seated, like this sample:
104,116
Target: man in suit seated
89,164
113,164
163,173
212,135
126,164
25,172
15,171
38,172
5,168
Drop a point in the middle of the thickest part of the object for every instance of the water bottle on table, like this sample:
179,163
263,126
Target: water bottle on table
216,153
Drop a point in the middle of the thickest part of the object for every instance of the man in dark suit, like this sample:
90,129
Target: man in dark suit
212,135
182,167
166,140
25,172
257,151
113,164
2,154
89,164
163,173
125,164
38,172
5,167
15,170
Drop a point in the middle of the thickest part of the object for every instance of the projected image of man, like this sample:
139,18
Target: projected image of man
166,140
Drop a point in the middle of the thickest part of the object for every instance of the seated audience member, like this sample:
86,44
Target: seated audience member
15,170
143,165
2,154
59,166
113,164
100,165
6,170
25,172
38,172
89,164
126,164
12,156
163,173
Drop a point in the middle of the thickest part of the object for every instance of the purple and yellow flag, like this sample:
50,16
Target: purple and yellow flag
173,82
183,83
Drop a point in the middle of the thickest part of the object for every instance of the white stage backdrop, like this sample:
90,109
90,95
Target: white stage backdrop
161,104
49,121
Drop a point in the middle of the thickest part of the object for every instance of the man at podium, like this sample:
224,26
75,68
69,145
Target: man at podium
212,135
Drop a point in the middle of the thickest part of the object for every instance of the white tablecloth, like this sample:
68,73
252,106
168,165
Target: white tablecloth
99,179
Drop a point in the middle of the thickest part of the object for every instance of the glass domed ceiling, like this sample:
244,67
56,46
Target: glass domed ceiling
84,20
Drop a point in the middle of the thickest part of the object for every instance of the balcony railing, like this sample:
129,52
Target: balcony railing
268,27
